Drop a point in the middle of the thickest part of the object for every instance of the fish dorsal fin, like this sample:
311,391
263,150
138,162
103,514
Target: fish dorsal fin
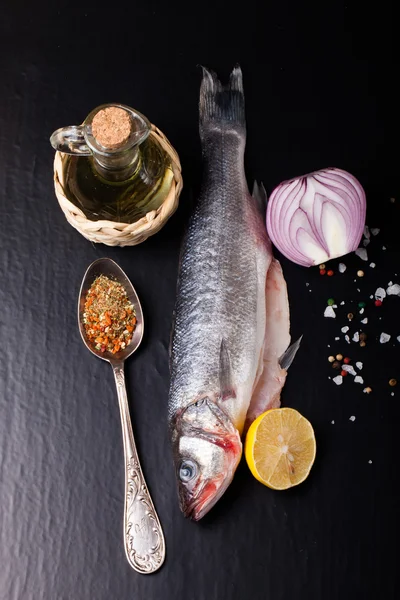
260,196
225,373
288,356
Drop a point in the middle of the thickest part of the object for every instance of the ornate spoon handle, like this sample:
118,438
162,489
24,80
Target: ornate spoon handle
143,536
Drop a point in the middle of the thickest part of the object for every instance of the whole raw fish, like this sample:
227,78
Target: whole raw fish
219,347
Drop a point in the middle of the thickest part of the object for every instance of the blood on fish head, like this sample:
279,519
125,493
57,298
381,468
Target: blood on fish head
207,450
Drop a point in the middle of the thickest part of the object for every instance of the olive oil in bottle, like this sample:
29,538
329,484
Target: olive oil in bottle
116,170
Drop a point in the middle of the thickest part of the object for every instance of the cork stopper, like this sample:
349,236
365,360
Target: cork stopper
111,127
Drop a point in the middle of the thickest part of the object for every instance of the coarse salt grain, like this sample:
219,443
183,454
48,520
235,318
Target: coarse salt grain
383,247
361,311
365,243
366,232
346,337
307,284
365,321
352,418
345,329
333,422
342,267
362,253
372,265
380,294
393,290
329,312
342,302
390,283
370,462
338,338
385,337
398,338
358,379
349,369
356,337
392,394
359,365
375,231
338,380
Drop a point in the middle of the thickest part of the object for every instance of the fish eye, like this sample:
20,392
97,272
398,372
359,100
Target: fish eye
187,470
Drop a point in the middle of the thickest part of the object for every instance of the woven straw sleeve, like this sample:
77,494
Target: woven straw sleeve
121,234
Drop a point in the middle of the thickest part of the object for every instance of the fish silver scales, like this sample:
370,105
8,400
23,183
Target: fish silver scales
217,290
220,309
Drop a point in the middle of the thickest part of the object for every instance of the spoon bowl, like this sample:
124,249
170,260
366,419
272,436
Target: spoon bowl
109,268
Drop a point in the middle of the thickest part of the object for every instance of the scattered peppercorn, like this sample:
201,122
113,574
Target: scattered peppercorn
350,316
330,273
346,360
362,344
336,364
361,305
331,302
322,267
360,273
368,390
331,359
343,373
322,271
378,302
392,382
339,356
363,337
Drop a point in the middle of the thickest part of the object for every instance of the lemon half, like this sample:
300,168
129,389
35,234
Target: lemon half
280,448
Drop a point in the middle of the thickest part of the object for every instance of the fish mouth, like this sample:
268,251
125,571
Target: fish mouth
207,496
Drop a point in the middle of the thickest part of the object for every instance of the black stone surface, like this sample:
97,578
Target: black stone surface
320,91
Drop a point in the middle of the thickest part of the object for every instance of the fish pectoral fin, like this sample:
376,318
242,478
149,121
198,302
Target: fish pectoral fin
225,373
288,356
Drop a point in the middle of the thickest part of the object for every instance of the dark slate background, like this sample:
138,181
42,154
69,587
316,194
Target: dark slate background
320,91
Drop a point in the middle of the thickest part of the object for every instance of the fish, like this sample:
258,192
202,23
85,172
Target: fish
222,366
278,354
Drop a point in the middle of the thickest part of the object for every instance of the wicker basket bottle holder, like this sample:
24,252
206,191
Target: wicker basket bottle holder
121,234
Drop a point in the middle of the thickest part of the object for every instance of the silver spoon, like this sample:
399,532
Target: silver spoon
143,536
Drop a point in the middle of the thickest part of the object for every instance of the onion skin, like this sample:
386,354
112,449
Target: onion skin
317,217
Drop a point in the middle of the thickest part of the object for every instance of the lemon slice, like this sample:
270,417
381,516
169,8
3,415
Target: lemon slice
280,448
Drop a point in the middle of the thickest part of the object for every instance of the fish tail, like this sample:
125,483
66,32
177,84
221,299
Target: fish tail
222,106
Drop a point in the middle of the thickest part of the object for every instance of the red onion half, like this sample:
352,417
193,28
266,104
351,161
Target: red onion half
319,216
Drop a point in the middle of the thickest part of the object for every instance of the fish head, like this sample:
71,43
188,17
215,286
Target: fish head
207,450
